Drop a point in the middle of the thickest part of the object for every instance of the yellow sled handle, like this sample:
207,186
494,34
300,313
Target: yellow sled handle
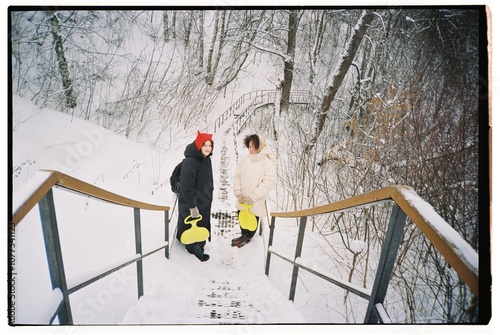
246,206
193,221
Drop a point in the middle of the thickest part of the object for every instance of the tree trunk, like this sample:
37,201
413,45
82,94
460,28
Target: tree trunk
347,57
188,28
210,71
201,42
293,24
63,65
318,41
222,41
174,17
166,32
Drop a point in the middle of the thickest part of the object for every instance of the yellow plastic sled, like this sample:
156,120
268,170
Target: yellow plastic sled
195,233
247,220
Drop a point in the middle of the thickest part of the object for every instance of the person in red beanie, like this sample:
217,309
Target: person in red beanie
196,190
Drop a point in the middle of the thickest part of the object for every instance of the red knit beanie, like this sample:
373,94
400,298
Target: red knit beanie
202,138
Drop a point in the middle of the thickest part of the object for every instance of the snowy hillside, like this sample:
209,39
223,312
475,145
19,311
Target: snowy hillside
96,235
142,95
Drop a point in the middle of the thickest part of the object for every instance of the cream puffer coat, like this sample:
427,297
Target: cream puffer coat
255,177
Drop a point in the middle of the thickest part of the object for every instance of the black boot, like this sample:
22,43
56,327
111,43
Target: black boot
242,241
236,240
197,250
204,257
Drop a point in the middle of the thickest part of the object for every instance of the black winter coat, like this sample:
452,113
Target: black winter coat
197,186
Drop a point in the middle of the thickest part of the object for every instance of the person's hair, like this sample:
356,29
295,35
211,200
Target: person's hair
252,138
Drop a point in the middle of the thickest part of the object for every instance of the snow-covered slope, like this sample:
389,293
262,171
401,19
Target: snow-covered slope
229,288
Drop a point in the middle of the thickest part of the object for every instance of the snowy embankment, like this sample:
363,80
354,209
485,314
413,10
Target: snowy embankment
95,235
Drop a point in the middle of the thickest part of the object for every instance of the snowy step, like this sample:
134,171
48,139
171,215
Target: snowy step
223,301
226,224
223,291
218,302
222,315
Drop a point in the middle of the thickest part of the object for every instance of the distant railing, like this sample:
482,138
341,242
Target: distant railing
406,203
244,107
42,195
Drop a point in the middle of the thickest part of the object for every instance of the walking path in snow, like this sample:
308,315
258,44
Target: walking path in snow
230,288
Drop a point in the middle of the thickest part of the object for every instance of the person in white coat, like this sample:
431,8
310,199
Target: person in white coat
254,179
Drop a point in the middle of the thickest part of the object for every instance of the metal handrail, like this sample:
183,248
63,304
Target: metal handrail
42,195
298,96
456,251
236,105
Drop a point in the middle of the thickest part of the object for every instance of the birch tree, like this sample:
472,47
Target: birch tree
61,58
212,65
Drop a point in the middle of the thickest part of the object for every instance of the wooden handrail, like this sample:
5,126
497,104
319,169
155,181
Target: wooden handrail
443,237
74,184
357,201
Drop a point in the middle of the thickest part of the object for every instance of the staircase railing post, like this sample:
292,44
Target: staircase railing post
138,250
386,264
298,253
54,255
271,235
167,234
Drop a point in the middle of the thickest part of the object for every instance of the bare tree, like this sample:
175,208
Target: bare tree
343,67
201,38
166,26
286,86
246,33
212,66
318,26
63,65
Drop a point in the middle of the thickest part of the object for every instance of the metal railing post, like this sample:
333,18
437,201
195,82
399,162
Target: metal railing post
138,250
54,255
167,235
386,264
271,235
298,253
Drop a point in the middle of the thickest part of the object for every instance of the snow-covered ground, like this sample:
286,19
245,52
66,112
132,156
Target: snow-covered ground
48,139
95,235
230,288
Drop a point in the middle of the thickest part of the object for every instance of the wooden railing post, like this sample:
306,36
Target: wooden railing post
54,255
138,250
298,253
386,264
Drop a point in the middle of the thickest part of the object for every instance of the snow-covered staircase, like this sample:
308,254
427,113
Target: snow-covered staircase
230,288
223,300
